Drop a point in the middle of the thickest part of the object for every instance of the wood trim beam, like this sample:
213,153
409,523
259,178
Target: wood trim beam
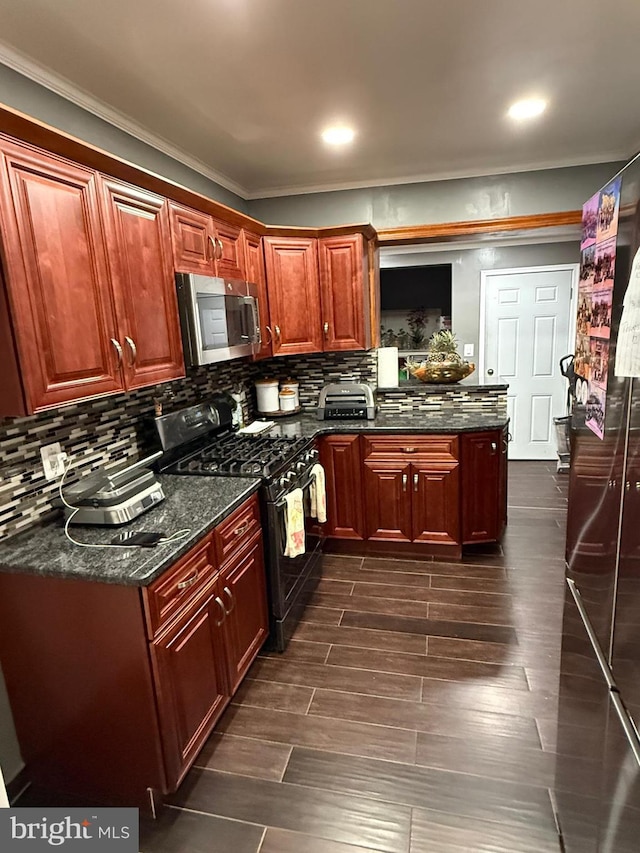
457,230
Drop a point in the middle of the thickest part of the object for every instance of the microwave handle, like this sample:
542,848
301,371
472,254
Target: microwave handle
256,335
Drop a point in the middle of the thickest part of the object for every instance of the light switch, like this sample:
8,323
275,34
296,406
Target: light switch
468,350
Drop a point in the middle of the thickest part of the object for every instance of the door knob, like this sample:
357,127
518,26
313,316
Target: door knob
490,372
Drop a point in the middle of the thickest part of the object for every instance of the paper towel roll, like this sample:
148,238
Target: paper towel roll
388,367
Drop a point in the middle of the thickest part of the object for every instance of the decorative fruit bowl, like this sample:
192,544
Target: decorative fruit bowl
442,364
440,371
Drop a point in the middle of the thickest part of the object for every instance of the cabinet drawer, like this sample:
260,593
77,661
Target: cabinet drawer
166,597
381,447
235,531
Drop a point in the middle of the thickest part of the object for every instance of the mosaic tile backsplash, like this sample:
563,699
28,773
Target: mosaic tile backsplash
106,431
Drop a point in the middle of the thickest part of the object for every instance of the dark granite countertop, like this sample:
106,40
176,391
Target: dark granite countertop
308,426
197,503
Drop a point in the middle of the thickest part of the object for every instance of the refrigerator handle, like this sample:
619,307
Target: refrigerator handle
629,729
593,638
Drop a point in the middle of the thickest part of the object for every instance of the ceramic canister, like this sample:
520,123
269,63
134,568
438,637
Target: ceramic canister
267,395
291,385
287,400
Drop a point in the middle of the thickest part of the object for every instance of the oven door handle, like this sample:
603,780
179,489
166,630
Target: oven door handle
305,486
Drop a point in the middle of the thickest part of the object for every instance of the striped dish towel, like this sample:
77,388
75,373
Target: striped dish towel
318,493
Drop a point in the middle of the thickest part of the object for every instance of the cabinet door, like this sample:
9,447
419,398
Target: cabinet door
192,235
344,287
482,510
340,457
190,681
138,241
255,271
294,294
388,500
242,586
435,503
57,281
230,256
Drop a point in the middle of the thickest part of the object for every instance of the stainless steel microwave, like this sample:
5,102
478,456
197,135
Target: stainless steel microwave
219,318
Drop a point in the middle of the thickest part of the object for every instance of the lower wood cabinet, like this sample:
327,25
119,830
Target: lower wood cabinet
436,491
340,458
118,687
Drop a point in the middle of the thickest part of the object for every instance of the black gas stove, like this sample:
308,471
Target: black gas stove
238,455
199,440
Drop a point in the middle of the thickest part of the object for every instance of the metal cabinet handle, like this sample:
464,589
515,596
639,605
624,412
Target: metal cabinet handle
218,601
219,242
416,478
213,246
118,350
494,447
134,350
270,341
242,529
326,329
490,372
410,449
276,329
231,599
189,581
404,482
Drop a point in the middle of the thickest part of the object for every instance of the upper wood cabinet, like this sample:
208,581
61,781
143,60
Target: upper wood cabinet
141,270
61,307
343,264
204,245
294,294
256,273
319,293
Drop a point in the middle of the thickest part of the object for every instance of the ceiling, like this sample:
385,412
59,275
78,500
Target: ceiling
240,89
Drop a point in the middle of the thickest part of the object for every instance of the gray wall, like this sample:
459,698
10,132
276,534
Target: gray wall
467,265
492,197
35,100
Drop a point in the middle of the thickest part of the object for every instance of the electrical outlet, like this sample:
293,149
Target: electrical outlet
468,351
53,459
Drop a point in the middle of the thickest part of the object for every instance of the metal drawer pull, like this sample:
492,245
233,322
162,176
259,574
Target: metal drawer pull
270,341
416,477
410,449
326,329
189,581
404,482
218,601
118,349
242,529
219,241
134,350
213,246
277,331
494,447
231,599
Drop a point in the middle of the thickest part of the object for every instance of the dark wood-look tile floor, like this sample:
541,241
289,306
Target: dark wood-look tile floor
413,711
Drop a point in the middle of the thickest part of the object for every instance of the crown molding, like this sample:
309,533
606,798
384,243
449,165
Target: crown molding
608,157
58,84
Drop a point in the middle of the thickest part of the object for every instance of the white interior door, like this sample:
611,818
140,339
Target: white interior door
525,331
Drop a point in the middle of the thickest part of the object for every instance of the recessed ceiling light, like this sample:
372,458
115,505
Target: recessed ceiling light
529,108
338,135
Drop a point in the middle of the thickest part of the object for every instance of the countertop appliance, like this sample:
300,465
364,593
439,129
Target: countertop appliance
219,318
117,496
198,440
352,400
598,752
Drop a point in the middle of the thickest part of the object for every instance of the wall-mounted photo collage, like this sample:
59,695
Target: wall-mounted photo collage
595,297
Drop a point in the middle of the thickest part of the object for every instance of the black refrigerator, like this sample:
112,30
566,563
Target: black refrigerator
597,787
